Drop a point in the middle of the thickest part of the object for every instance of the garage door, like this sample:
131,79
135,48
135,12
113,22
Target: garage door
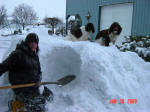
121,13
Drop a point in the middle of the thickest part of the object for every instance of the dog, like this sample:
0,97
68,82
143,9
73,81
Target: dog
105,37
81,34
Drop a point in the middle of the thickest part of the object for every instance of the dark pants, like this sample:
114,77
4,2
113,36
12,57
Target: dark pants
33,100
30,96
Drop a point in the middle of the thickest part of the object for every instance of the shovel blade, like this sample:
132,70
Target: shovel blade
65,80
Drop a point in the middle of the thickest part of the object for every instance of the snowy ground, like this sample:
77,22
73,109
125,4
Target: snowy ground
102,74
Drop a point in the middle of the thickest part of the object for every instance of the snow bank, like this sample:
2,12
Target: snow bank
102,74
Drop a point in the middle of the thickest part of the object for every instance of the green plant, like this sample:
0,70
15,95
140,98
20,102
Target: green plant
138,44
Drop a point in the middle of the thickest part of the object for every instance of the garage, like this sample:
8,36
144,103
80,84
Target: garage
121,13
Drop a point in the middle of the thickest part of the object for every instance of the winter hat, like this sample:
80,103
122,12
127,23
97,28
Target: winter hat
32,37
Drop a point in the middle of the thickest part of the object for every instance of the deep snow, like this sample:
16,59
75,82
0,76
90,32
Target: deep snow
102,74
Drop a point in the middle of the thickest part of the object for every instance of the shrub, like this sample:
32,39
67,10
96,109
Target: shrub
15,32
138,44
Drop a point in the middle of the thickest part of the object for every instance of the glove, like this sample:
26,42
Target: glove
47,94
37,84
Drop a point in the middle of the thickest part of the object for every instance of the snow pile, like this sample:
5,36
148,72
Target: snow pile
102,74
4,45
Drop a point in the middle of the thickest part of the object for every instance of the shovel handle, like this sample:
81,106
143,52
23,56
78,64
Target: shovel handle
26,85
61,82
19,86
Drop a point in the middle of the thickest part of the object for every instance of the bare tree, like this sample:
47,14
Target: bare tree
24,15
3,14
53,22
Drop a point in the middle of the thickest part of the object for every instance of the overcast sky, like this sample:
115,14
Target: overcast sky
43,8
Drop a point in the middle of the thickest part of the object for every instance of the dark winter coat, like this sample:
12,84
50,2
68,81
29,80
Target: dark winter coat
22,65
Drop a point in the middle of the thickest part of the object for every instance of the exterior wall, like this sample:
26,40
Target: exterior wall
82,7
141,14
141,18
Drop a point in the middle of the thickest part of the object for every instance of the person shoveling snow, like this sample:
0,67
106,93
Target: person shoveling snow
24,67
